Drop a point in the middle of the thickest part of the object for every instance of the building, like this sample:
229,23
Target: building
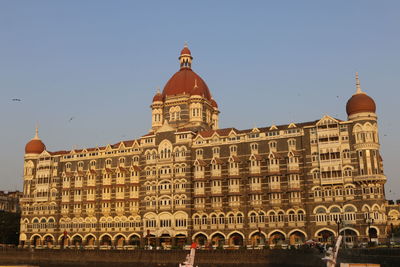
187,179
9,201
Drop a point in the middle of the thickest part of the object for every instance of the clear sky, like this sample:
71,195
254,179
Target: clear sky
265,62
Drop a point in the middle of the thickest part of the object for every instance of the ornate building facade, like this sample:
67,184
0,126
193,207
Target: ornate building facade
9,201
187,179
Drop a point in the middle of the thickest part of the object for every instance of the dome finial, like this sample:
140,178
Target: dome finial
36,132
185,44
358,84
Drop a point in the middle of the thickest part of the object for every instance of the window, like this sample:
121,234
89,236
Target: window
233,149
215,151
272,145
254,147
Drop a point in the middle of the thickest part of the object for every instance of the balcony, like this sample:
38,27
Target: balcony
199,174
120,180
234,189
216,190
134,194
256,203
255,187
134,179
370,178
273,168
106,181
199,191
255,170
216,205
77,198
120,195
91,182
199,206
234,204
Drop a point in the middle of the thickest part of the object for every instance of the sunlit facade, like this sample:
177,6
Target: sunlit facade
188,180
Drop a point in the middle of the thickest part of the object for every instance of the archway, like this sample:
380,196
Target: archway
48,241
373,235
180,240
297,238
90,240
165,240
235,239
200,240
77,241
134,240
257,238
218,240
105,240
37,241
150,240
326,236
120,241
350,237
65,241
276,239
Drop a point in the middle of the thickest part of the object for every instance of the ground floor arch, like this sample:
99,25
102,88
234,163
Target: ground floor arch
134,240
77,240
180,240
90,240
105,240
257,238
297,238
119,240
200,239
276,238
218,239
326,236
48,241
350,236
236,239
36,240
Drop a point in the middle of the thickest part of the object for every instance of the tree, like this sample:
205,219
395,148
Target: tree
9,227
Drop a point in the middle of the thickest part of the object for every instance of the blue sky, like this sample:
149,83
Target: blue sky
265,62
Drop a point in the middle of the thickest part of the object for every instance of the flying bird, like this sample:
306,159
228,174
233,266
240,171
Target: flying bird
16,100
70,119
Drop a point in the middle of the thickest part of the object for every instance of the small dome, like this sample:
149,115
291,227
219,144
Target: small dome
360,102
213,103
158,97
185,51
35,146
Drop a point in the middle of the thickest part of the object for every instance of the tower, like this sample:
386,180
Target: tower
186,100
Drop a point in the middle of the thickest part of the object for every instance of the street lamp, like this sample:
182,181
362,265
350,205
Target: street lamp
369,221
338,222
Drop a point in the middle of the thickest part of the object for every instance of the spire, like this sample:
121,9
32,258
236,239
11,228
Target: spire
36,133
185,59
358,85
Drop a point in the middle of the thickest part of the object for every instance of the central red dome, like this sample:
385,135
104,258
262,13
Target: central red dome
183,82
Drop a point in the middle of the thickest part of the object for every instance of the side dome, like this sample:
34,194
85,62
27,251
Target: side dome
158,97
183,82
35,146
214,103
360,102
